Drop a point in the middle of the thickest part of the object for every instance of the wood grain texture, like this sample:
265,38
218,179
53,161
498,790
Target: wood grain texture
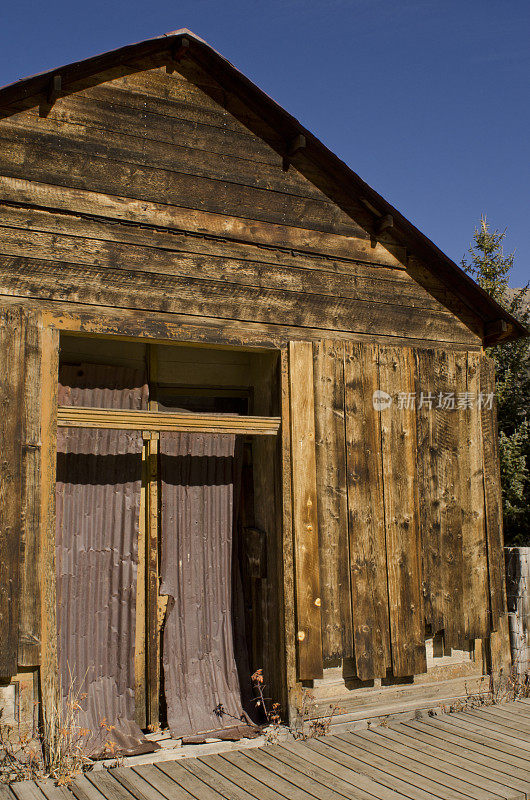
328,372
287,529
32,155
305,513
398,442
80,417
95,231
492,494
30,589
165,217
366,514
49,669
56,238
446,431
266,473
430,488
12,339
145,291
475,586
140,633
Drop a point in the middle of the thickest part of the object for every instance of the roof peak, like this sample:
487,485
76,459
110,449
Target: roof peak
313,156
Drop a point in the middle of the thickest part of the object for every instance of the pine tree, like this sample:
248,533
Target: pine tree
488,265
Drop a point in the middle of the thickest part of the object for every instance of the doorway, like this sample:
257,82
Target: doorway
204,503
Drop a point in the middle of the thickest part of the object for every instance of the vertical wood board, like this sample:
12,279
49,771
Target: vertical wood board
366,518
152,560
289,599
337,633
305,517
452,566
49,387
12,336
30,590
430,489
475,585
492,494
398,442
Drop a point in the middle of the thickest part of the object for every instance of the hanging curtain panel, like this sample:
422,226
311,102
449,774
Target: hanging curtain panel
98,511
200,675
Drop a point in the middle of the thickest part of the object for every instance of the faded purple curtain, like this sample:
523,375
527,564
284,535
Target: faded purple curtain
98,510
200,674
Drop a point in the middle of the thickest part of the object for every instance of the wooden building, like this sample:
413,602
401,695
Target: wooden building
246,411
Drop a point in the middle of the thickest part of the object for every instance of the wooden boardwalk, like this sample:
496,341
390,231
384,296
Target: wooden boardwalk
482,754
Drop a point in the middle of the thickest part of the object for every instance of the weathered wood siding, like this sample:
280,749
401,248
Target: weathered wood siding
12,332
419,523
150,204
148,191
21,482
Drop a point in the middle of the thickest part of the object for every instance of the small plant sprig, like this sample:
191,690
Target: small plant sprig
308,724
258,683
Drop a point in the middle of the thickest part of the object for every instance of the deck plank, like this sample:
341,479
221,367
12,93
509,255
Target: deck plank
289,773
452,763
479,759
253,786
161,782
330,780
477,734
26,790
135,784
432,778
477,750
225,787
362,782
514,709
519,740
84,790
281,785
382,772
474,754
106,783
51,791
187,780
502,719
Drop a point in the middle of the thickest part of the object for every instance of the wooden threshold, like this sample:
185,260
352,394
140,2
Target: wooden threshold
79,417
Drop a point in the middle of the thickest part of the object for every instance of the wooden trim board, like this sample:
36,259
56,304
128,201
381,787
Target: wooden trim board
78,417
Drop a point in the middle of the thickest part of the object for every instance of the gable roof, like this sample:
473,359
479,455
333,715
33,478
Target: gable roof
302,148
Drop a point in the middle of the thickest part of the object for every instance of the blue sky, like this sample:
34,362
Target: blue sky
427,100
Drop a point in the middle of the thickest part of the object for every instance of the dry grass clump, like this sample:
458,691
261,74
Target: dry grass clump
20,754
61,748
308,725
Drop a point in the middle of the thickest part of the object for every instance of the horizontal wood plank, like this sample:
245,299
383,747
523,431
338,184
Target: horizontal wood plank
313,278
162,216
57,160
123,288
78,417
